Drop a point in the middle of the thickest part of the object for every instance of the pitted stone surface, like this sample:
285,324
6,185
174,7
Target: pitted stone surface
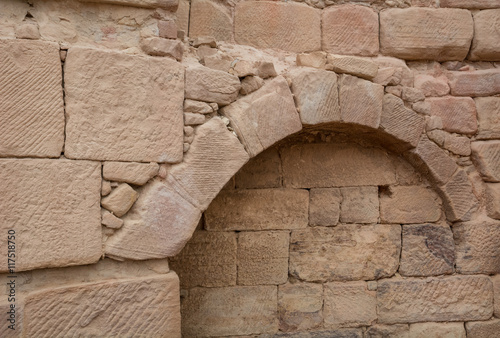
300,306
488,115
484,82
324,206
486,35
486,157
205,84
457,113
208,18
359,205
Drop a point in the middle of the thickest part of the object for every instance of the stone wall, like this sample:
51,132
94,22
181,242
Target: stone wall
122,120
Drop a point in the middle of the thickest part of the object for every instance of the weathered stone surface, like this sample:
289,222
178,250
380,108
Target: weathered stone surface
205,84
477,246
428,250
300,306
110,220
103,122
250,84
457,113
236,310
208,41
349,304
262,171
324,165
133,173
493,200
28,30
386,331
156,46
208,18
437,330
426,34
17,317
208,259
397,71
192,106
459,145
258,209
54,206
360,101
167,29
120,200
105,188
457,298
472,4
193,119
289,26
91,309
486,157
315,60
356,66
337,333
410,204
349,252
359,205
350,29
324,206
458,197
432,86
32,107
475,83
488,114
496,290
485,329
316,95
167,4
412,95
265,116
263,257
485,45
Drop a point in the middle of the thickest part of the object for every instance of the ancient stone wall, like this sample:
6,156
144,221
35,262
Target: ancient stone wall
370,205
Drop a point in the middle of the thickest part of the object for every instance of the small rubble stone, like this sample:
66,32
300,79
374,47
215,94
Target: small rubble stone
205,84
111,221
457,113
185,147
359,205
475,83
483,329
266,70
28,30
433,122
488,114
315,60
162,47
437,330
388,76
189,139
324,206
133,173
250,84
395,90
244,68
486,159
167,29
105,188
218,61
493,200
437,136
422,107
352,65
432,86
459,145
192,106
300,306
120,200
205,51
412,95
193,119
204,41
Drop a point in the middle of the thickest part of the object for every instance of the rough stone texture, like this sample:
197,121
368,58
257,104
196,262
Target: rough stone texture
156,46
263,257
31,105
300,306
426,34
324,206
484,82
493,200
337,333
54,206
289,26
250,84
349,252
496,290
472,4
477,246
349,304
265,116
359,205
361,37
102,119
133,173
104,309
457,298
205,84
230,311
335,164
485,45
258,209
360,101
208,18
486,329
396,71
458,197
120,200
167,4
432,86
193,119
262,171
167,29
28,31
19,317
486,157
410,204
412,95
356,66
437,330
192,106
459,145
387,331
316,95
111,221
488,114
208,259
428,250
457,113
315,60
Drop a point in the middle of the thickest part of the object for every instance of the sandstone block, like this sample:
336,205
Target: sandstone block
315,60
432,86
457,113
250,84
359,205
208,41
471,4
258,209
486,157
103,122
437,330
488,114
485,329
493,200
360,101
265,116
458,197
111,221
316,95
496,290
386,331
459,145
300,306
349,304
163,47
412,95
105,188
262,171
475,83
28,30
266,70
397,71
192,106
120,200
350,252
324,206
485,45
182,18
240,310
32,107
205,84
350,29
208,18
356,66
193,119
133,173
167,4
456,298
167,29
289,26
425,33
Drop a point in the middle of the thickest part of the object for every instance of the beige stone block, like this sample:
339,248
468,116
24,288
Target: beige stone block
133,173
193,119
300,306
459,145
457,113
103,122
486,35
156,46
324,206
250,84
264,117
182,18
167,4
323,165
486,158
484,82
262,171
28,30
471,4
458,197
105,188
412,95
400,73
386,331
437,330
266,69
406,174
428,250
205,84
289,26
110,220
315,60
348,252
53,206
244,68
32,107
167,29
208,260
496,290
240,310
410,204
316,95
258,209
350,29
488,115
432,86
192,106
493,200
208,41
120,200
425,33
360,101
359,205
263,257
485,329
103,308
208,18
356,66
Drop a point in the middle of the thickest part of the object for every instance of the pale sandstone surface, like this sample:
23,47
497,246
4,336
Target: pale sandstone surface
250,84
337,333
486,157
362,36
493,200
486,35
289,26
458,197
485,329
240,310
472,4
348,252
349,304
120,200
315,59
387,331
324,206
456,298
208,18
12,15
193,119
496,290
258,209
397,71
28,30
133,173
54,206
205,84
32,107
156,46
200,107
18,318
102,119
262,171
457,113
426,34
182,16
406,174
172,4
432,86
488,115
363,68
428,250
167,29
483,82
110,220
300,306
105,187
437,330
459,145
412,95
359,205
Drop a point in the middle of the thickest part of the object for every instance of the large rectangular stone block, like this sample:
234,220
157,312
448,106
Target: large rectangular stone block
457,113
485,46
208,18
484,82
486,158
300,306
53,206
471,4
